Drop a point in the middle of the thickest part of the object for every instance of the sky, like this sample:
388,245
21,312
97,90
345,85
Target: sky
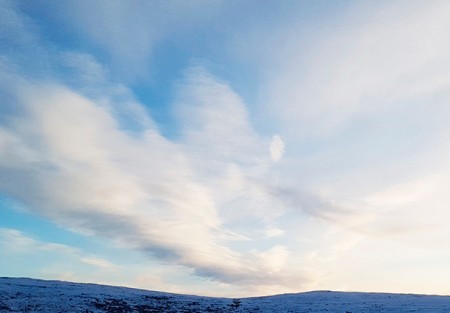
226,148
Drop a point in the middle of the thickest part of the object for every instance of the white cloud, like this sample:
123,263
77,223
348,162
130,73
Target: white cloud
15,242
98,262
214,118
272,232
274,260
364,97
276,148
373,59
71,162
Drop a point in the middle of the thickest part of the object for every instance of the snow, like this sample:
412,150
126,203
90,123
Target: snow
32,295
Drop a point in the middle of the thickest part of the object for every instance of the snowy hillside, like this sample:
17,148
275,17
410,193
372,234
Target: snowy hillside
30,295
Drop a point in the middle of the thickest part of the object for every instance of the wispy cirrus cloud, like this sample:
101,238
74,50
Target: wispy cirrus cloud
16,243
70,161
381,58
360,99
362,104
125,34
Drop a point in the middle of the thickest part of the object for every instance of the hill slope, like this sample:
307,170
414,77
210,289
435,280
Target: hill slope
31,295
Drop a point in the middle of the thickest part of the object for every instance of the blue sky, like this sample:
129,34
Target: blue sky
227,148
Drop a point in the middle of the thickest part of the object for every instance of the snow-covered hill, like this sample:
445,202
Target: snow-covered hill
31,295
